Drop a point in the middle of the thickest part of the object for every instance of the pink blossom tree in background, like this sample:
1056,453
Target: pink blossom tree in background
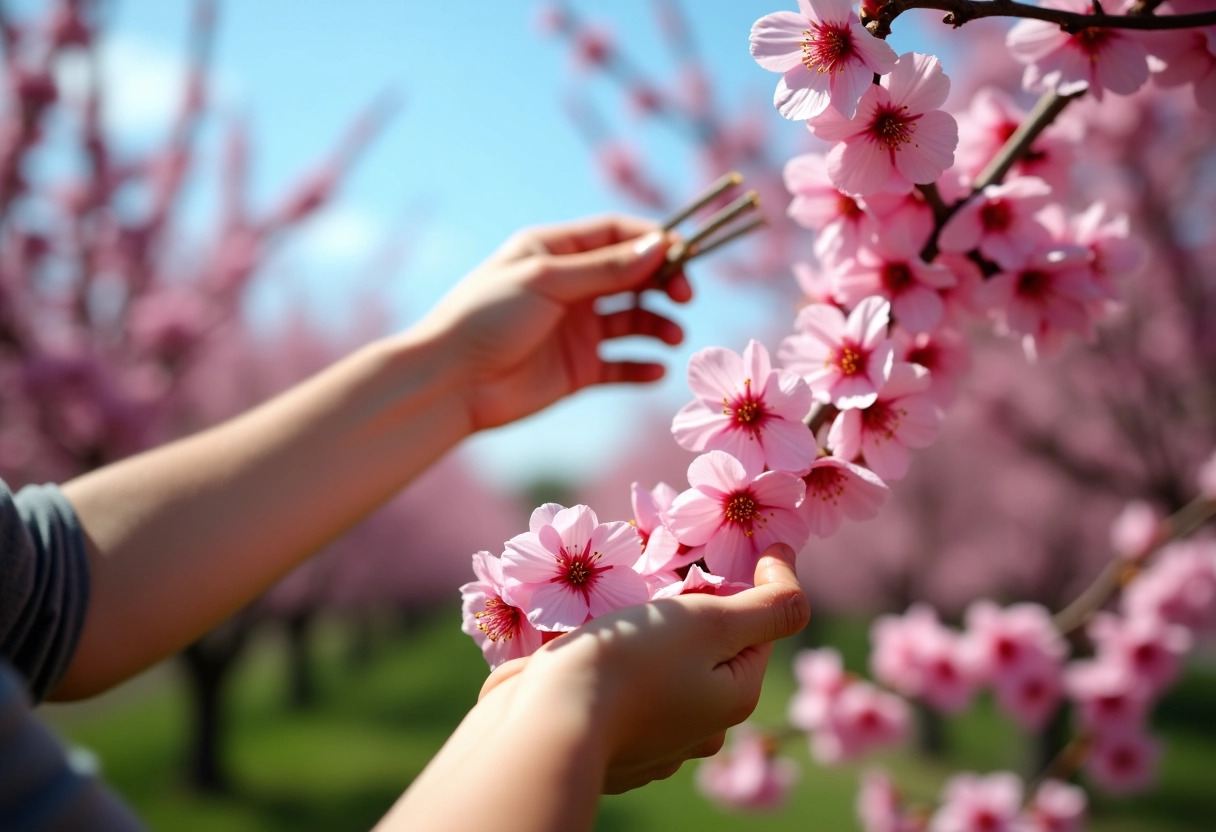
121,328
1032,280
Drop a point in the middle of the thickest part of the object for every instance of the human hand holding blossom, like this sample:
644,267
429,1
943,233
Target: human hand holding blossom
911,238
668,677
526,325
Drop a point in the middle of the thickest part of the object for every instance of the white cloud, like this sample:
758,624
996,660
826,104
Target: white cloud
340,236
142,84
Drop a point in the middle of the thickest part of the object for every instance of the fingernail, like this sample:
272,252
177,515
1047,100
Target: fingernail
647,243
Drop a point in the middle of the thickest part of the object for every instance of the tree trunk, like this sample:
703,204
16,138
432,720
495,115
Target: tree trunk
301,683
208,664
930,731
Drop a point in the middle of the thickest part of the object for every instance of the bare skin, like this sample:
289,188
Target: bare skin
182,536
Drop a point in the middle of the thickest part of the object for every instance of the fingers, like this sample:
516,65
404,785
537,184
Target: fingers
678,288
776,607
629,372
502,673
603,271
640,321
587,234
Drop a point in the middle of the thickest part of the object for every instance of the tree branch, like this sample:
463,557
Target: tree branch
959,12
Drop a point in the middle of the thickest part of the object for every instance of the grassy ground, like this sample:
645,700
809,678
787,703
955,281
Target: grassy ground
340,764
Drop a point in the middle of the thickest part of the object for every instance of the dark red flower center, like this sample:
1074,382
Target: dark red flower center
826,47
499,620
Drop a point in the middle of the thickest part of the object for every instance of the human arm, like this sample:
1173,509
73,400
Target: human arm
182,536
617,703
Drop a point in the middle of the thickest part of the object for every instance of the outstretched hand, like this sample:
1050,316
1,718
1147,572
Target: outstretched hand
669,677
526,325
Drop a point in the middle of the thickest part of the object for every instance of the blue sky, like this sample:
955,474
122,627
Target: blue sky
480,147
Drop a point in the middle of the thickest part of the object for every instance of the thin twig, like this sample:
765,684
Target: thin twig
959,12
1119,572
715,190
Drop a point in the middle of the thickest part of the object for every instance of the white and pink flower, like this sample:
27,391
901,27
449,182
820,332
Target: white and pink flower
1000,222
845,361
826,57
890,267
840,221
899,137
835,489
748,408
500,628
900,418
1095,58
729,516
570,568
1056,807
974,803
747,775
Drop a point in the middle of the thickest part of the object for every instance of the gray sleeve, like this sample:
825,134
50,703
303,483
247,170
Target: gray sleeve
39,789
44,583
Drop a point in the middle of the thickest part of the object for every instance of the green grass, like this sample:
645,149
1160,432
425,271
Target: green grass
341,763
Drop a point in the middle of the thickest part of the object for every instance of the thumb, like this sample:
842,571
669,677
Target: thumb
506,670
603,271
776,607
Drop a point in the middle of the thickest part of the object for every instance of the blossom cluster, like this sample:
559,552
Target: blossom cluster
923,221
1018,653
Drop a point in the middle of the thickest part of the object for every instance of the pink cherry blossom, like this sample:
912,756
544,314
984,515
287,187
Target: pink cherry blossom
989,122
821,677
747,408
1032,695
1149,647
1185,56
1136,530
747,775
845,716
500,629
1206,478
1000,222
899,137
840,222
660,549
699,581
974,803
1178,588
943,352
1107,694
919,657
1123,762
890,266
1056,807
860,719
824,54
901,417
904,218
816,286
879,806
1094,58
835,489
1044,298
1114,252
729,517
1009,642
570,568
844,361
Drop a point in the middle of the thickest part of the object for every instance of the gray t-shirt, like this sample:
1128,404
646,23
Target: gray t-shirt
44,592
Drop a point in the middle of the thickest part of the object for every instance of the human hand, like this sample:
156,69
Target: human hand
526,326
664,680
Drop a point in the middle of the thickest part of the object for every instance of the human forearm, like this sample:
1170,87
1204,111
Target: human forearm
530,756
182,536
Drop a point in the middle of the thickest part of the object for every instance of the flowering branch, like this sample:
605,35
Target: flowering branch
1120,572
964,11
